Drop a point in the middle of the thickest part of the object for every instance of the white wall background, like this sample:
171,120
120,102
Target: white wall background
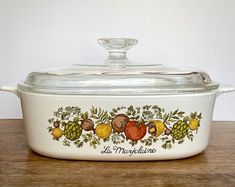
42,33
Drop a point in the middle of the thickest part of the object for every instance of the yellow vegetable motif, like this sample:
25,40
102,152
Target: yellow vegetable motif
156,127
194,124
103,130
56,133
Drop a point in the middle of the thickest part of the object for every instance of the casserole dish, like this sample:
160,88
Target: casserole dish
118,110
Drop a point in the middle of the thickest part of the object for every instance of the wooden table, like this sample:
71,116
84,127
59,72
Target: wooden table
19,166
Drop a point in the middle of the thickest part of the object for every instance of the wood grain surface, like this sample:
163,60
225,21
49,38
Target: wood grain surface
19,166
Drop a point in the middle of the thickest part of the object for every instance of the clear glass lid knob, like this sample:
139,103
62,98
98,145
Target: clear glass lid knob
117,48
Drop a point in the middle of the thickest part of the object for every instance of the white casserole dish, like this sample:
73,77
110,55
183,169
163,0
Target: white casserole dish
118,111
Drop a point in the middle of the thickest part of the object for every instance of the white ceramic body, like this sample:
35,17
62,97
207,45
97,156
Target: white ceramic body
38,108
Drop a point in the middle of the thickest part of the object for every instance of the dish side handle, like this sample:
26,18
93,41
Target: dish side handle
11,89
225,89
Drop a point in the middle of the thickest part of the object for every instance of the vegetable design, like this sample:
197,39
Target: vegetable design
72,130
119,122
87,124
135,131
56,133
143,125
156,127
103,130
179,130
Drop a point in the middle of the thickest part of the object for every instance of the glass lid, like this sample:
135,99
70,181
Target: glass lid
118,76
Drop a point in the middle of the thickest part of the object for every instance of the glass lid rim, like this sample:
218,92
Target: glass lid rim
140,91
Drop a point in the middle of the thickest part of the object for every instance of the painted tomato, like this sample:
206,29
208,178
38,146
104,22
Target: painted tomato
135,131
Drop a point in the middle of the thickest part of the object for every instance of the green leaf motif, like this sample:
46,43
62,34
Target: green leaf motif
180,114
186,118
175,112
165,117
